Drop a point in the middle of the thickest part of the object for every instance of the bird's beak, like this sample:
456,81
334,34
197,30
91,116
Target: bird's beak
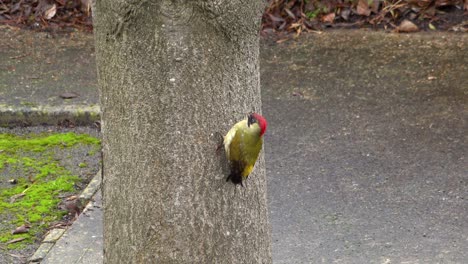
250,120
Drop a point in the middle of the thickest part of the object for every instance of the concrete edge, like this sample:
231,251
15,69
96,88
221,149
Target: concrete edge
55,234
49,115
91,189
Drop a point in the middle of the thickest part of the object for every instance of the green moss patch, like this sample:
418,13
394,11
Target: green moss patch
32,195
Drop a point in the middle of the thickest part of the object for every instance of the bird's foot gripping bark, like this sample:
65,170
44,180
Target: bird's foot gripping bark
219,139
236,173
236,179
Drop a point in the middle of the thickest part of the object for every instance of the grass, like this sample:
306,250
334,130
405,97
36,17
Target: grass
34,199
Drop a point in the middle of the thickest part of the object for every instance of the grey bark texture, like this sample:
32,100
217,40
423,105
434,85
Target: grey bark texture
174,74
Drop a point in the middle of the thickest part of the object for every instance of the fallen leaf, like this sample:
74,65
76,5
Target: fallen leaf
407,26
27,11
345,13
16,197
73,207
282,40
295,25
298,32
431,11
300,94
50,11
462,27
275,18
363,8
71,198
66,123
375,6
68,95
19,56
15,7
31,179
61,225
86,6
15,240
21,229
16,256
97,124
329,17
290,14
432,27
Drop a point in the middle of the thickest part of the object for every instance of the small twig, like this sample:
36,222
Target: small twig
16,240
24,191
20,56
16,256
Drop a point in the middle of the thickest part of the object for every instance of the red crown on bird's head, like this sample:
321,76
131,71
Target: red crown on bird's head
262,123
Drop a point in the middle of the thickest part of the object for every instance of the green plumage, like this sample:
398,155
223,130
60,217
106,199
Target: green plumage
242,144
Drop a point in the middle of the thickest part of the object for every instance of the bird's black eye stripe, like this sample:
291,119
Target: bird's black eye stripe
251,120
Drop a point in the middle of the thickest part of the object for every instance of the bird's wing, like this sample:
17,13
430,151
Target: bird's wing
228,140
231,137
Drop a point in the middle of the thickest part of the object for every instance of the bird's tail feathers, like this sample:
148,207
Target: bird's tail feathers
236,173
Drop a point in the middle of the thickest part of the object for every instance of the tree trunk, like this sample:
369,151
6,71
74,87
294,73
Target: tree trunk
173,75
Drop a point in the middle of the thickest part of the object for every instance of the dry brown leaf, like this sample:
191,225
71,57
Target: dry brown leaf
15,7
462,27
345,13
282,40
375,6
407,26
295,25
68,95
445,2
420,3
275,18
73,207
298,32
329,17
363,8
290,14
21,229
300,94
15,240
50,11
71,198
86,6
466,5
16,197
16,255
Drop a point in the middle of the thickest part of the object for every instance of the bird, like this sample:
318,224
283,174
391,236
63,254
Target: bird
242,145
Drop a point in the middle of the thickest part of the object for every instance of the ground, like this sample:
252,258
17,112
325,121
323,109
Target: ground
280,17
41,170
35,60
366,150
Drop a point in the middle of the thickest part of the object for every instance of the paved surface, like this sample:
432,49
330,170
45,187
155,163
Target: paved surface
36,69
366,151
82,243
366,155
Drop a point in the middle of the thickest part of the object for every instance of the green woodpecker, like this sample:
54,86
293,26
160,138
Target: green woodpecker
242,144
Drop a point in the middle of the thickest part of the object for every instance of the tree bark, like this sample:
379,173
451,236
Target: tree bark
172,75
